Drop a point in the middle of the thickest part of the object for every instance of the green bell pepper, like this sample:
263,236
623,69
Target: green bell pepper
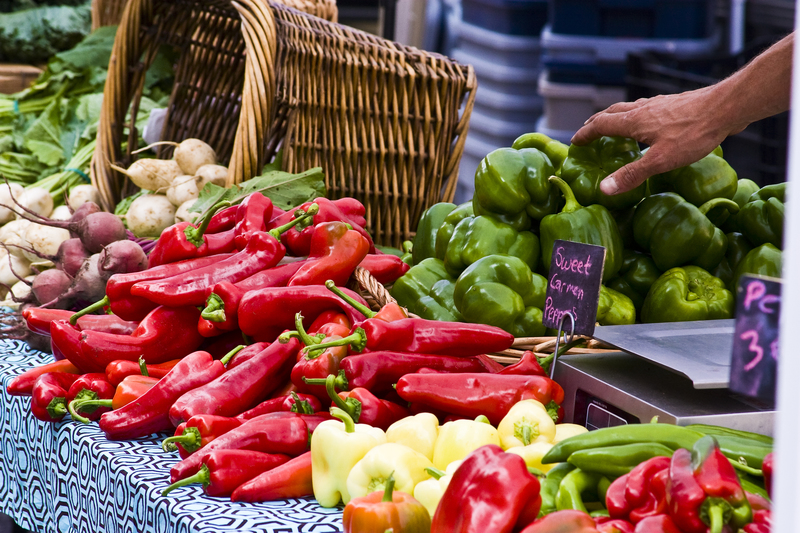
586,166
511,185
723,218
477,237
761,218
624,220
637,275
449,225
738,247
423,291
589,225
614,308
425,239
500,290
687,293
556,151
765,260
711,177
676,232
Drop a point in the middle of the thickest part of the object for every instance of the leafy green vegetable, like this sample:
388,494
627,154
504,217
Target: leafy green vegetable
284,189
125,204
34,35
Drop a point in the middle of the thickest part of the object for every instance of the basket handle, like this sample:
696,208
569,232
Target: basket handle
451,168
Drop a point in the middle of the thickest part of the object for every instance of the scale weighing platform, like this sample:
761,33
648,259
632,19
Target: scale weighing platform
677,371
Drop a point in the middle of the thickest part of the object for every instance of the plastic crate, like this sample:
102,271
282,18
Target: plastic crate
498,48
760,151
567,105
511,108
659,19
512,17
565,136
602,60
500,78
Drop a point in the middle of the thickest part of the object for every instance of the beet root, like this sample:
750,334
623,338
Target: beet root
122,257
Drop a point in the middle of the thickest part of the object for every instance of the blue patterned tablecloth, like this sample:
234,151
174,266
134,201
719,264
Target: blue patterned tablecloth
67,478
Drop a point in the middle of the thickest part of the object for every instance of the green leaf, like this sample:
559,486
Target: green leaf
34,35
125,204
43,137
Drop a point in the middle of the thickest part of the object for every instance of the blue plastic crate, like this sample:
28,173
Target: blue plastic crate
511,17
655,19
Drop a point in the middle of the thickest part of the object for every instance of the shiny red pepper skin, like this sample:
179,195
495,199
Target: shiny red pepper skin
321,365
22,385
566,521
275,308
247,353
263,251
65,342
605,524
661,523
334,254
199,430
528,365
223,220
290,480
767,468
173,245
365,408
640,493
228,469
471,395
253,214
385,268
49,394
130,307
266,433
150,413
166,333
491,491
333,317
353,209
239,388
38,320
94,386
116,371
284,403
762,522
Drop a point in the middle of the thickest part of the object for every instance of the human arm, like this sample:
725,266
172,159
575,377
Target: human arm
683,128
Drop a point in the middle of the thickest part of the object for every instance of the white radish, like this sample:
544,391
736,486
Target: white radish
152,174
12,268
45,240
184,188
216,174
13,233
20,291
61,212
6,190
37,200
184,215
149,215
191,154
81,194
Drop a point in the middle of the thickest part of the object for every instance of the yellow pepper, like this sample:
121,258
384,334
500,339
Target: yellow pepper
370,474
335,449
526,422
532,454
459,438
430,491
565,431
418,432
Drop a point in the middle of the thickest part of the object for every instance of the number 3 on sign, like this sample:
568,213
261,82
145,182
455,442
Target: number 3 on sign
754,347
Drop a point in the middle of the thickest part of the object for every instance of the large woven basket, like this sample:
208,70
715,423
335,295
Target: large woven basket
386,122
106,12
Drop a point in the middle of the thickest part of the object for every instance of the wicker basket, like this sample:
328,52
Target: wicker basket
106,12
386,122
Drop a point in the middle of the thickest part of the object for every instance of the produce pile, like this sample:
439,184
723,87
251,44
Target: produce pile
32,31
676,245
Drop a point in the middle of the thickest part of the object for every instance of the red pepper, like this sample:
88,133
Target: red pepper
251,218
49,395
223,220
22,385
762,522
758,502
364,407
275,308
266,433
319,365
293,403
224,470
640,493
197,432
490,364
116,371
766,468
566,521
385,268
290,480
38,320
240,388
164,334
335,253
65,342
491,491
605,524
247,353
333,317
353,209
312,421
703,491
150,413
528,365
222,304
185,240
471,395
661,523
390,312
93,386
129,389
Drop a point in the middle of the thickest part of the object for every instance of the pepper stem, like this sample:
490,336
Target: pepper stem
571,203
228,356
730,205
349,425
90,309
286,336
82,405
357,341
301,406
305,338
483,419
81,398
351,406
434,472
57,407
358,306
203,476
189,439
143,367
215,309
339,381
193,234
312,210
389,490
716,518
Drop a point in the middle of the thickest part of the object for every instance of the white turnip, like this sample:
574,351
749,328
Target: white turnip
152,174
183,189
122,257
70,256
36,200
184,215
49,285
61,212
149,215
13,268
191,154
81,194
6,191
216,174
44,240
13,234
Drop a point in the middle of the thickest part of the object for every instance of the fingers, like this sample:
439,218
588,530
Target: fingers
634,174
613,124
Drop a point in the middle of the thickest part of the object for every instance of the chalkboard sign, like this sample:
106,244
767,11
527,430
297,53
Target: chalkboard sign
576,271
754,362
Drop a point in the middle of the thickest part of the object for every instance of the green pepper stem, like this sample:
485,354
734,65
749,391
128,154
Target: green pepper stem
536,472
483,419
305,338
716,518
82,405
301,406
339,381
189,439
349,425
357,341
434,472
90,309
143,367
408,247
746,469
569,197
730,205
215,309
358,306
312,210
74,412
193,234
203,476
525,434
389,490
286,336
351,406
228,356
57,407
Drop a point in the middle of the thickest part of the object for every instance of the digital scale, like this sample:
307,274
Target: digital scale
677,371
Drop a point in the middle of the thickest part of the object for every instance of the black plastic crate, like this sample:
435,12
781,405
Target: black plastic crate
759,152
511,17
